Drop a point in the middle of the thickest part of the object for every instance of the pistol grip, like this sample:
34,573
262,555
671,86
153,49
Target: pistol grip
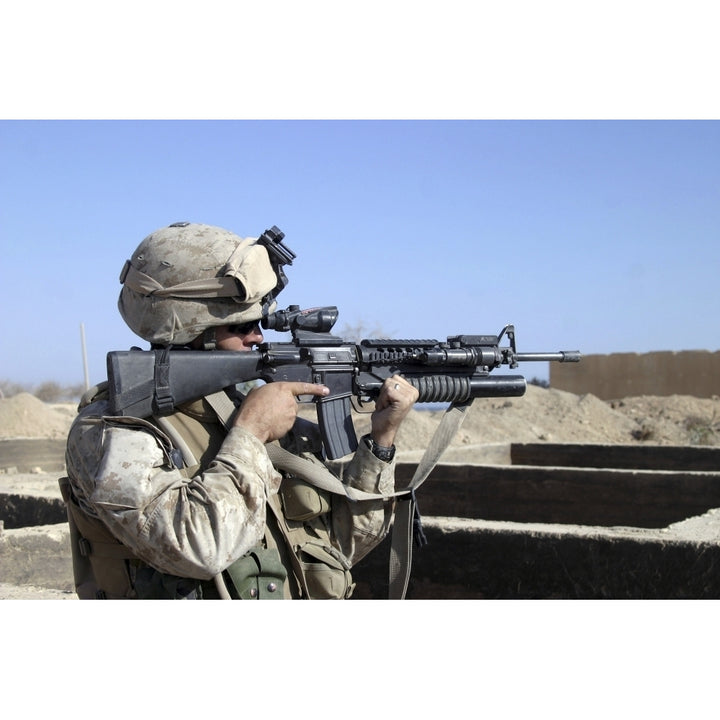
336,426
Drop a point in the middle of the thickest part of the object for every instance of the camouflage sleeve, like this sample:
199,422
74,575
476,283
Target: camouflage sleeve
360,526
190,527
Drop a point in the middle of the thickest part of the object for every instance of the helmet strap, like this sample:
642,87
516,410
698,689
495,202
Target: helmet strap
208,339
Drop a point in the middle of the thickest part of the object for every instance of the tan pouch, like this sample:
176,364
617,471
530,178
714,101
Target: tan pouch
327,574
100,566
301,501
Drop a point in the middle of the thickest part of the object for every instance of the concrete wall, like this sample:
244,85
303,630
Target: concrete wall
610,377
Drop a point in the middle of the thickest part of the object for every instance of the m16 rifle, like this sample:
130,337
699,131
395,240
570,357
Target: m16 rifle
143,383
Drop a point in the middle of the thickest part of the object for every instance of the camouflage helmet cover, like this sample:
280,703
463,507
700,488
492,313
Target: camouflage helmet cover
188,277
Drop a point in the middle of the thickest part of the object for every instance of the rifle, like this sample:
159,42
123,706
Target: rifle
143,383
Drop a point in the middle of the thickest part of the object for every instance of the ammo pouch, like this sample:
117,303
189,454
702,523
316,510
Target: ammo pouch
323,573
257,575
301,501
326,572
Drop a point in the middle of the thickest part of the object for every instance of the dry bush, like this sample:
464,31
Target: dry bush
48,391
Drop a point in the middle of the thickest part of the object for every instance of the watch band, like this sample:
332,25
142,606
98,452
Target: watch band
386,454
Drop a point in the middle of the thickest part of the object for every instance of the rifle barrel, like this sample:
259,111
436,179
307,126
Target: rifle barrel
562,356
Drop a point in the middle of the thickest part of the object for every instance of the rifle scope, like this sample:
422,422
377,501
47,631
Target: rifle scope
320,319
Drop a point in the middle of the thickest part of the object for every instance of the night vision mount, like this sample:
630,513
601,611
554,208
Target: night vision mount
279,254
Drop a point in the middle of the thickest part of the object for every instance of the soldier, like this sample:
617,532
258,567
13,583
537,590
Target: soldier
190,505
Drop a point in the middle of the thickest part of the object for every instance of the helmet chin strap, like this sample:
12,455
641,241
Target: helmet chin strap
208,339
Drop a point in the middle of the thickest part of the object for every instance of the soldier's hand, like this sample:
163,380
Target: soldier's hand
269,411
396,399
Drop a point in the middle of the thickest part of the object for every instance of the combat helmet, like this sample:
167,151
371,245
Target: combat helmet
187,278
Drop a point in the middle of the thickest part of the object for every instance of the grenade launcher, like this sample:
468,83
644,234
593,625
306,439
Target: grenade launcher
143,383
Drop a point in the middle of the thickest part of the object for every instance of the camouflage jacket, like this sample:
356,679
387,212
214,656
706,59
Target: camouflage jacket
125,472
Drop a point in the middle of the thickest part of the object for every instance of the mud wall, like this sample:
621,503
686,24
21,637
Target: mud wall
619,375
553,521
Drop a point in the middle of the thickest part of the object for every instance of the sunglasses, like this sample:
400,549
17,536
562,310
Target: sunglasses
244,328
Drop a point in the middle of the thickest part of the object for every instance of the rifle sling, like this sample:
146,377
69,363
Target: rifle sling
402,531
321,477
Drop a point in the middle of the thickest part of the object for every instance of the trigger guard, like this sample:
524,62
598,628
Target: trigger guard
362,406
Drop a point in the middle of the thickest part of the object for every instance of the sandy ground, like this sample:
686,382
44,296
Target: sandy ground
30,592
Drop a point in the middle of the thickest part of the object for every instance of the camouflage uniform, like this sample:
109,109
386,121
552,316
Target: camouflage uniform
124,471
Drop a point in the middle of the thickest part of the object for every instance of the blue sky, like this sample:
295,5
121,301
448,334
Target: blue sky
594,228
601,236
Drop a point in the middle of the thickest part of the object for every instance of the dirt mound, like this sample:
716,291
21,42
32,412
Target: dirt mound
541,415
556,416
548,415
24,416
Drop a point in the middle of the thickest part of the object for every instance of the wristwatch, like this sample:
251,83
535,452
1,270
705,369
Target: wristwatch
386,454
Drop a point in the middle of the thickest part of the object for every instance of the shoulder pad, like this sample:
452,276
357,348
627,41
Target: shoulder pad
91,395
